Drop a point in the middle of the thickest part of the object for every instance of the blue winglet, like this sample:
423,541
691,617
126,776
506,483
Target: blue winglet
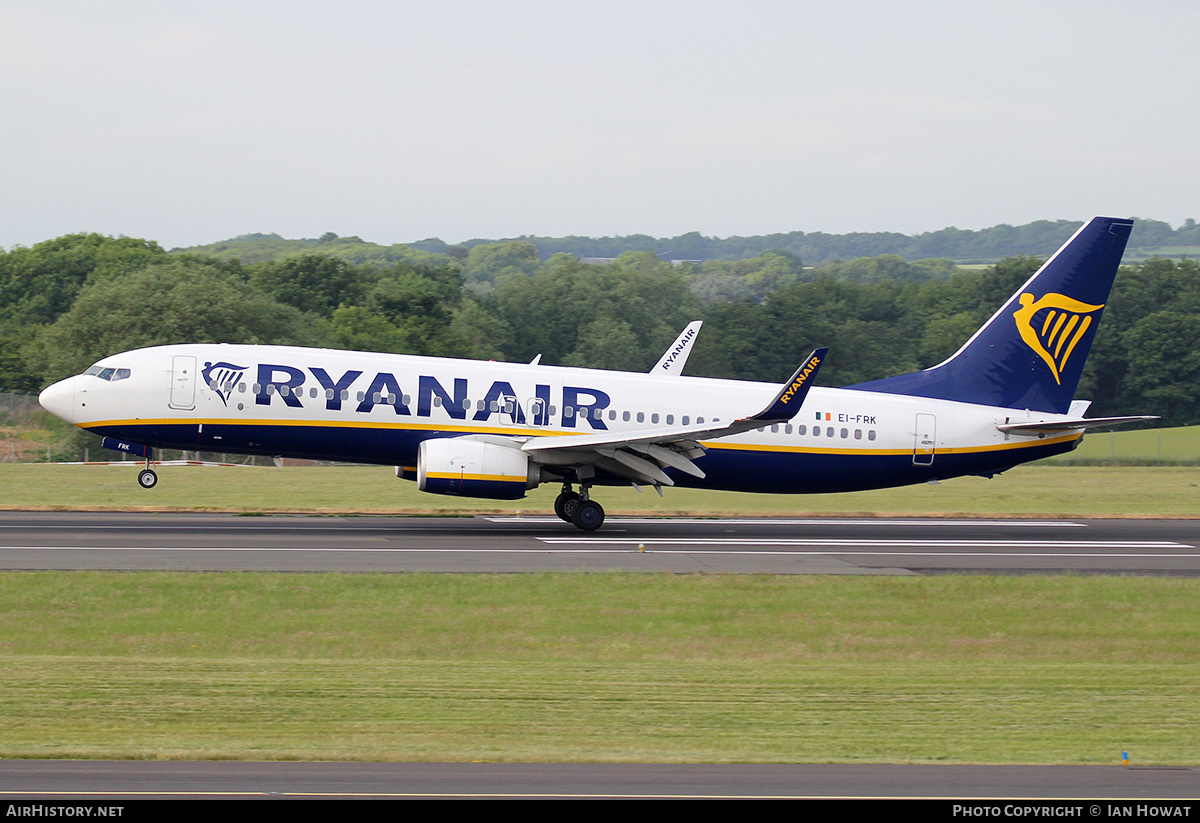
791,396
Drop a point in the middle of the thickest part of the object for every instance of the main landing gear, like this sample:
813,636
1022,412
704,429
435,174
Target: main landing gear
578,510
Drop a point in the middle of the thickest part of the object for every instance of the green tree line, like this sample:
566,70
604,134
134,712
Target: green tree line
1041,237
66,302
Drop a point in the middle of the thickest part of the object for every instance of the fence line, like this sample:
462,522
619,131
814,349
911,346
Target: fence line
18,402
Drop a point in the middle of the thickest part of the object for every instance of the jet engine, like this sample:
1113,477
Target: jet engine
474,467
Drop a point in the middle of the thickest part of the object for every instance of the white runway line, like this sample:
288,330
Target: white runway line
1082,549
384,521
780,521
800,541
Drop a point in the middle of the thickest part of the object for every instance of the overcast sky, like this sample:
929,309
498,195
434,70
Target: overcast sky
189,123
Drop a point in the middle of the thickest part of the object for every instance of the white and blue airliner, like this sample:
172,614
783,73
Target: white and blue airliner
496,430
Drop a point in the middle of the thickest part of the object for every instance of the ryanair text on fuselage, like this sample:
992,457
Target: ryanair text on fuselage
286,383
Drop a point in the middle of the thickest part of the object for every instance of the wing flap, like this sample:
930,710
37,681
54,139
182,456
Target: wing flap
651,472
670,457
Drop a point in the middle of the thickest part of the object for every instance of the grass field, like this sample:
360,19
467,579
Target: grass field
1111,473
1025,491
1175,446
608,668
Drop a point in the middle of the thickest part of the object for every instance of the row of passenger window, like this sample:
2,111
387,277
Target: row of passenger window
830,431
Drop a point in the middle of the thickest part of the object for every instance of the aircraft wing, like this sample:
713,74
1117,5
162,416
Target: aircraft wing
642,455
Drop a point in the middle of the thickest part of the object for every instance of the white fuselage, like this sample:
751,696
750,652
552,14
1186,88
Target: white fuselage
377,408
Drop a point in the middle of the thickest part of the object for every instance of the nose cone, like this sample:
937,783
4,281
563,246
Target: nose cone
59,399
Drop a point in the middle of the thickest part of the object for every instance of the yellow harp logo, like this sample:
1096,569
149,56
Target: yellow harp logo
1062,328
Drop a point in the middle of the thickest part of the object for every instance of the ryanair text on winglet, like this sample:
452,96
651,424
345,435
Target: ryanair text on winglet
675,352
809,368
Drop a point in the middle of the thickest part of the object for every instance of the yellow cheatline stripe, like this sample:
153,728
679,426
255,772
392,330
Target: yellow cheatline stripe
328,424
495,478
753,447
1066,438
862,452
525,432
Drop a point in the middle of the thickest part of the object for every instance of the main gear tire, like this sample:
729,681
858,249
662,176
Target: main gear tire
564,506
588,515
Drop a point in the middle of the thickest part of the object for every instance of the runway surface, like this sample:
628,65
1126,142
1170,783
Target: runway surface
80,540
108,781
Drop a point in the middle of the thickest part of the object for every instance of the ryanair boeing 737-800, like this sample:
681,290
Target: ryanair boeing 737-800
495,430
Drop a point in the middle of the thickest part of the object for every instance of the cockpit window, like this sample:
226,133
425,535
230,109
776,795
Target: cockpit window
108,372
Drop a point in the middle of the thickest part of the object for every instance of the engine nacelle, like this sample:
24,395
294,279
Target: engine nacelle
474,468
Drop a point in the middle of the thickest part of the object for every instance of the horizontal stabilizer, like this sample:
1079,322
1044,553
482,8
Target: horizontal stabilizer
1050,426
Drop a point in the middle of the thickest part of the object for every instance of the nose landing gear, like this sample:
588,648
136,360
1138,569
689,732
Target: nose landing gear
147,478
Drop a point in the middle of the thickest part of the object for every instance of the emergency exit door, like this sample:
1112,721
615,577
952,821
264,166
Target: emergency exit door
183,382
925,440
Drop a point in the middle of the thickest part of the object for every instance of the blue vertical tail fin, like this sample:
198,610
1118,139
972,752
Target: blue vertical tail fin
1031,352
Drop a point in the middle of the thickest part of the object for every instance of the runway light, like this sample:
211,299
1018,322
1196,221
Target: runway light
642,548
1125,758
